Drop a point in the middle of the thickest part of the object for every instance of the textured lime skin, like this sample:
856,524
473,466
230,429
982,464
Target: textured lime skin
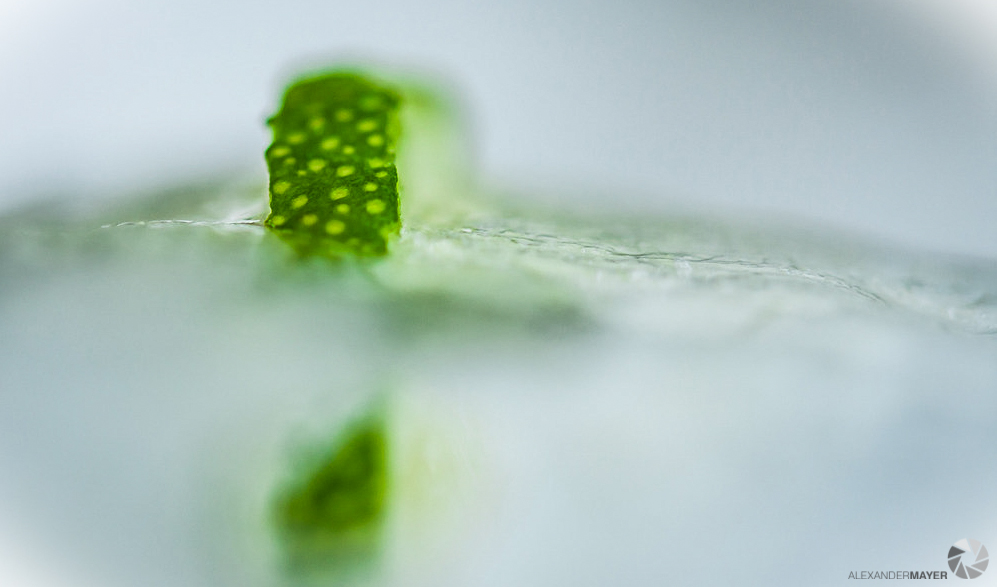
333,181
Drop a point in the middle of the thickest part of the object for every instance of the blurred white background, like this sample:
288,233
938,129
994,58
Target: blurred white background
822,430
878,117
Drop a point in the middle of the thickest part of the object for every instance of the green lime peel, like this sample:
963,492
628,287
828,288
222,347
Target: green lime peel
333,515
333,180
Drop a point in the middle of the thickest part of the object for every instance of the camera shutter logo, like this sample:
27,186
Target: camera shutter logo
968,558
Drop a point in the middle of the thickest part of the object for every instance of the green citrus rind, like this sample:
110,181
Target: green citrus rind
333,181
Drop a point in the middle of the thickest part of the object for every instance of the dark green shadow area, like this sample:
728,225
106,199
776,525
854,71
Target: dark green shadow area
333,180
330,520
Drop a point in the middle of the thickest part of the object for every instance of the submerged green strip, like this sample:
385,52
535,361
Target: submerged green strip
334,514
333,181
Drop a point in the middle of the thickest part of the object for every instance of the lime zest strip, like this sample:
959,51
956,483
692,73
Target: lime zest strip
334,514
333,180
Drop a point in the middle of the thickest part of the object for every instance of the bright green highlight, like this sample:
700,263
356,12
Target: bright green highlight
334,513
334,144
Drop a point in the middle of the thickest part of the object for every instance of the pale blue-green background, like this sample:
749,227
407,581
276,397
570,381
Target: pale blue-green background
877,116
724,410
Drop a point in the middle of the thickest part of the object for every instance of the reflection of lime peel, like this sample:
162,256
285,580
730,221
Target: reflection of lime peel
335,514
333,181
403,487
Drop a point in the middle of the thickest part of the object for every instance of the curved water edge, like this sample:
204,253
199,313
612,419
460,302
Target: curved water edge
956,295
